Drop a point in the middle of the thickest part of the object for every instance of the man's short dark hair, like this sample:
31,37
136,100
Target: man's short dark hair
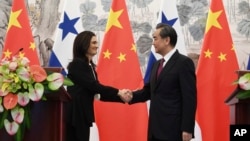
167,31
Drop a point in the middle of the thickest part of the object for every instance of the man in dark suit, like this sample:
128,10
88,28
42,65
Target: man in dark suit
172,93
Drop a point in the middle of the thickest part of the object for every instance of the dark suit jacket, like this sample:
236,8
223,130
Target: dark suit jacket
80,111
173,98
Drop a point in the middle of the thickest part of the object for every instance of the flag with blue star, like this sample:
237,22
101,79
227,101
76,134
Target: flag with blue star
167,14
69,26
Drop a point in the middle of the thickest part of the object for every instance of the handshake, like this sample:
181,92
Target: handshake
126,95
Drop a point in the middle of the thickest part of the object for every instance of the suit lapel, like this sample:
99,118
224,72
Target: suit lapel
154,74
169,65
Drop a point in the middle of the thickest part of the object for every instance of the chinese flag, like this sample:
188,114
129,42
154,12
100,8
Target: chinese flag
216,71
118,66
19,40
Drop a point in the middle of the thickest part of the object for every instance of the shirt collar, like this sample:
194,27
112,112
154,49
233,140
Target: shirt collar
168,55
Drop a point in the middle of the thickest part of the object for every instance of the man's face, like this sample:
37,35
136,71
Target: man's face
159,43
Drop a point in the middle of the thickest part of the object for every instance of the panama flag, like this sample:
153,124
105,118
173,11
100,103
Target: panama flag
69,26
167,14
248,64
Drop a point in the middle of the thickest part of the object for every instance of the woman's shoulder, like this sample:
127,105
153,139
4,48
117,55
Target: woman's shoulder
77,62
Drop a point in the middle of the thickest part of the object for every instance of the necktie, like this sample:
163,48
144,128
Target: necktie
160,67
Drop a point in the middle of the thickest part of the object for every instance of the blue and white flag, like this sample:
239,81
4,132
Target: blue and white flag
248,64
69,26
167,14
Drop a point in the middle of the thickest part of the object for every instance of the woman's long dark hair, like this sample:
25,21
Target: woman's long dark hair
81,45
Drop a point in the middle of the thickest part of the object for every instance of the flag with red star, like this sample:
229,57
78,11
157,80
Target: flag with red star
216,71
118,66
19,40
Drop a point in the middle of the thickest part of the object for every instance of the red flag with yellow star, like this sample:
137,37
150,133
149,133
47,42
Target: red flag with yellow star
19,40
118,66
215,75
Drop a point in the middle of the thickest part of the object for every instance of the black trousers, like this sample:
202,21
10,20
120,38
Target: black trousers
155,139
72,134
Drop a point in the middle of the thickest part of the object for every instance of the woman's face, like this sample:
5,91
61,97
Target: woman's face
92,51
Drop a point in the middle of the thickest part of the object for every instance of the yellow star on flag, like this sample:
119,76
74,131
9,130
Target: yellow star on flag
133,48
7,54
233,47
107,54
121,57
21,54
13,19
32,46
222,57
213,20
208,53
113,19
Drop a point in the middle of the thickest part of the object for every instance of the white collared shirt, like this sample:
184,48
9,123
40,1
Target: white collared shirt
168,56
